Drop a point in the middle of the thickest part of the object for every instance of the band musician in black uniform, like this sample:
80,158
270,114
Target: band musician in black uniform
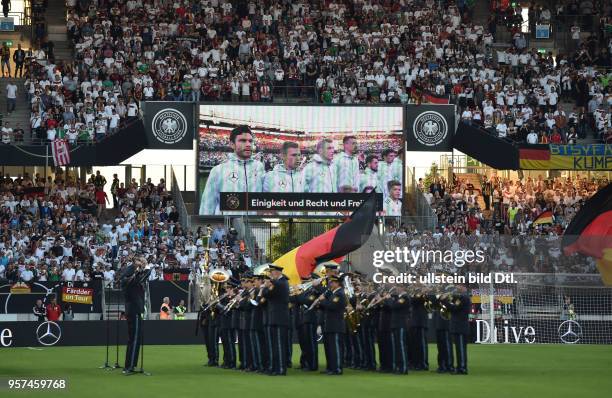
225,328
333,303
244,309
256,326
307,327
367,330
207,322
459,307
441,321
418,330
400,314
276,292
133,280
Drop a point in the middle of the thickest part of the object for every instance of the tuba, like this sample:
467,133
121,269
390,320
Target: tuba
217,276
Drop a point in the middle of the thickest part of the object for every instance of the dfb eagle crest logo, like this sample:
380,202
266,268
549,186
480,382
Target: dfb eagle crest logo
430,128
169,126
232,202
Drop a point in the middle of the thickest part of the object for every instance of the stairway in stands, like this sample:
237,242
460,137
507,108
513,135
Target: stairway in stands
21,115
474,179
56,27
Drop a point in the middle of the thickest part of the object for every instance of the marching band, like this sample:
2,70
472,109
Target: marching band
349,315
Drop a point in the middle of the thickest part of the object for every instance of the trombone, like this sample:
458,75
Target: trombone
378,299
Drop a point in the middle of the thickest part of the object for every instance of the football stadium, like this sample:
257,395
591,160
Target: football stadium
354,197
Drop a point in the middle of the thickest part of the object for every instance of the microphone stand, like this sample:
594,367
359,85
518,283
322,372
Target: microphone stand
107,324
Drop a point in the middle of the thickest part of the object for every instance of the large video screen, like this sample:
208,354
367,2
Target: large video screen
278,153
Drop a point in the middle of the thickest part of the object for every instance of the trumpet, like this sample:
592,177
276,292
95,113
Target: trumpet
378,299
215,301
228,307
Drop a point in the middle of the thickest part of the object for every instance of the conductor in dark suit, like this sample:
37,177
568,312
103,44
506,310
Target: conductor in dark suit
132,280
460,306
276,292
333,304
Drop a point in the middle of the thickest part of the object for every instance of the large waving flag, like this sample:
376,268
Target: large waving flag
331,245
590,232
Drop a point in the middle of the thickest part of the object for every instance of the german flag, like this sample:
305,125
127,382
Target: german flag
332,245
427,96
535,158
546,217
590,232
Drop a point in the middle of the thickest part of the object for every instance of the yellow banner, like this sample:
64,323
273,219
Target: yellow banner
76,298
78,295
573,157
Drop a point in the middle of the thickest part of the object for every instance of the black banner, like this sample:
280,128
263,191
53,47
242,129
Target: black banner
486,148
294,201
169,125
175,291
111,151
20,298
158,332
92,333
430,128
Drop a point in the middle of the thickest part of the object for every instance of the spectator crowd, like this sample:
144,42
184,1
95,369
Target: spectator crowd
505,218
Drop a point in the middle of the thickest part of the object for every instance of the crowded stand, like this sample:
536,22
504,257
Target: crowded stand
346,52
351,52
525,217
58,230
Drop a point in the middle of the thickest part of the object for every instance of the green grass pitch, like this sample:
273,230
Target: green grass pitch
513,371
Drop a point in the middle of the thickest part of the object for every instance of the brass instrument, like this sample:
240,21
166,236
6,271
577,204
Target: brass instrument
444,310
297,289
215,301
228,307
427,303
351,315
210,286
378,299
263,269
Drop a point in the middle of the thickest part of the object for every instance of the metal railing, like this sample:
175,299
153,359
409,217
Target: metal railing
37,141
20,17
417,210
184,216
284,93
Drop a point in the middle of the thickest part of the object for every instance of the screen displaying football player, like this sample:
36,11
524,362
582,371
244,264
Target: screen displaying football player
346,166
318,174
369,179
239,173
285,177
390,169
393,204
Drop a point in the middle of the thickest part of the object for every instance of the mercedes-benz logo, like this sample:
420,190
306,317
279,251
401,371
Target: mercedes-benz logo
430,128
169,126
48,333
570,332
